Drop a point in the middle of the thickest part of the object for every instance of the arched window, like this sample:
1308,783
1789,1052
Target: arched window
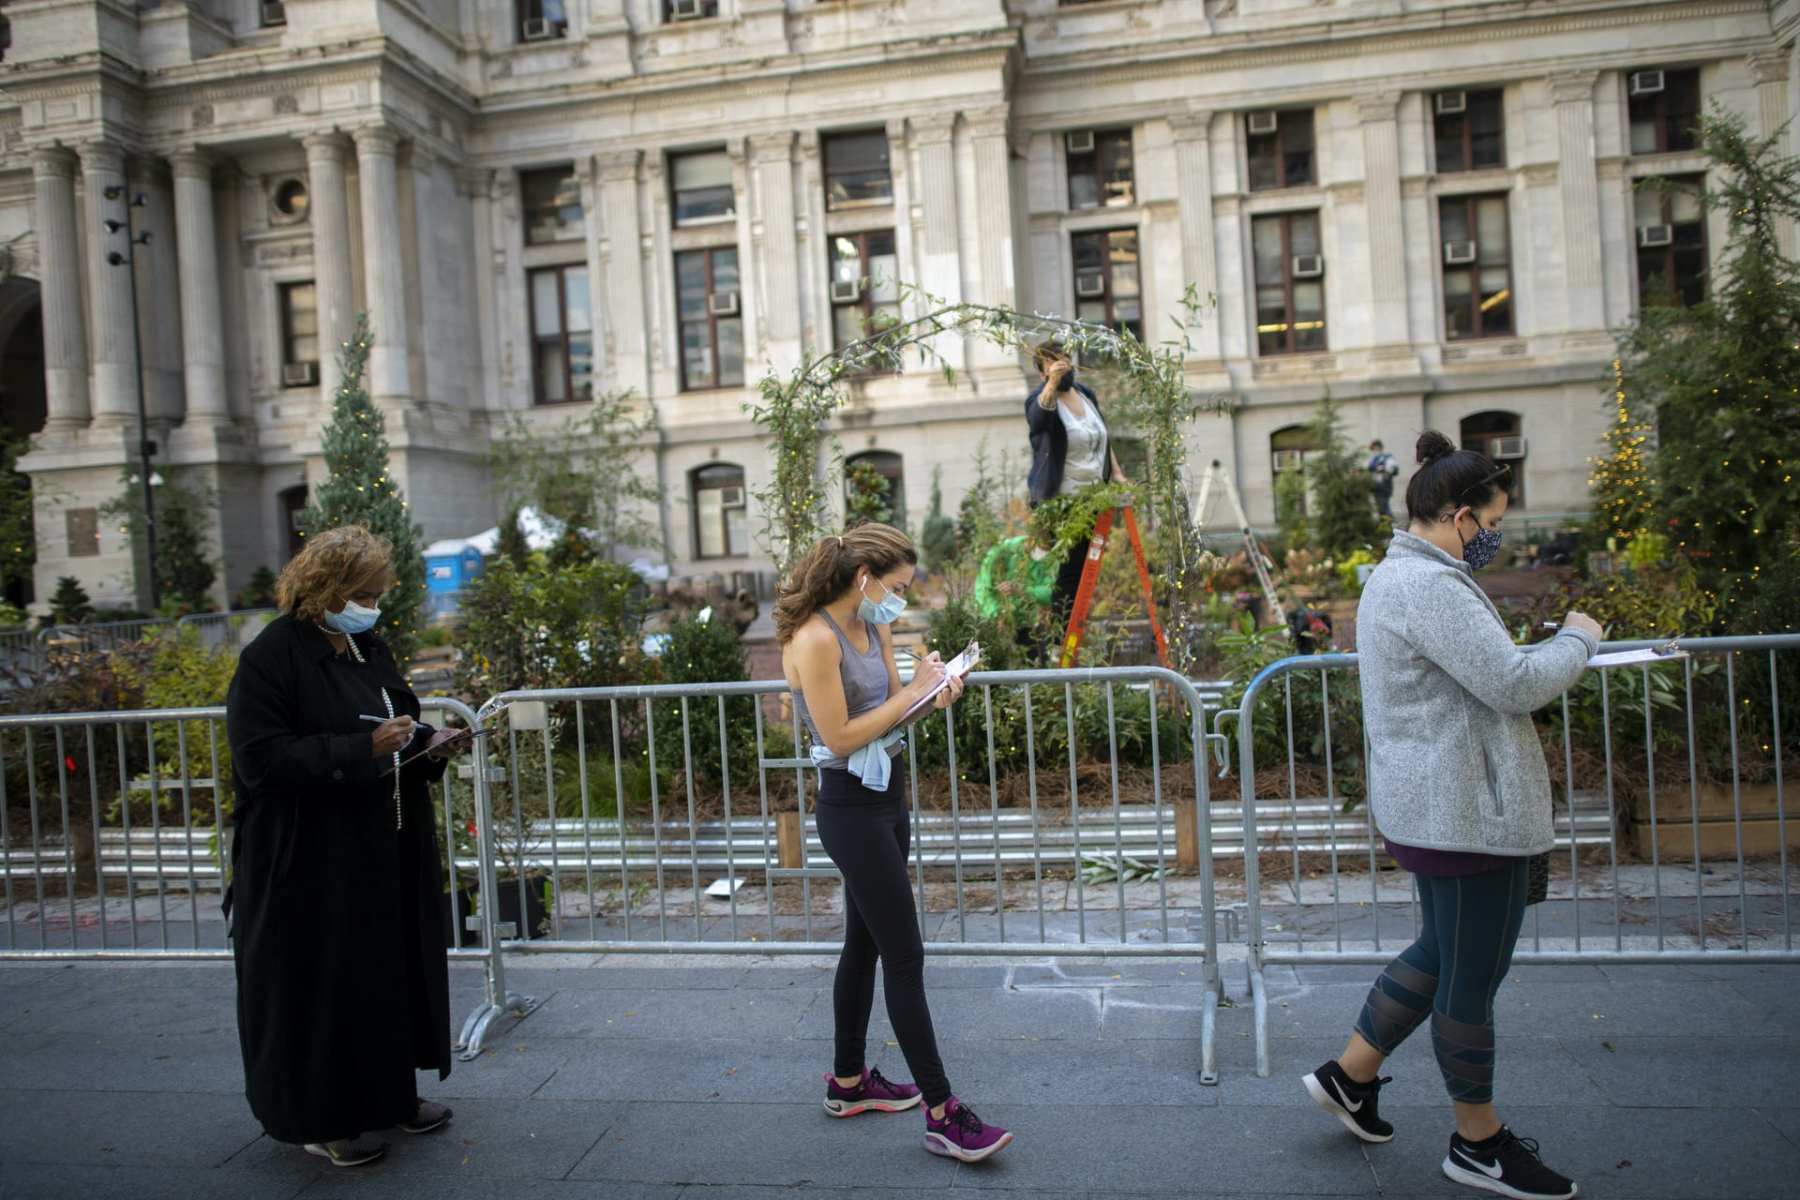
293,503
721,511
1289,446
874,489
1500,436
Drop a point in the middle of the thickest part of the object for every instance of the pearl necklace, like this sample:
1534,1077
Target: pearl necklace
388,703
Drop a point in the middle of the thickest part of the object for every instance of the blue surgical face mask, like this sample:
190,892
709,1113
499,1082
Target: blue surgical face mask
886,612
354,619
1481,549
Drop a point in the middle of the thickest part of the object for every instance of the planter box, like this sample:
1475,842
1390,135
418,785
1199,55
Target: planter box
1676,803
1718,840
536,924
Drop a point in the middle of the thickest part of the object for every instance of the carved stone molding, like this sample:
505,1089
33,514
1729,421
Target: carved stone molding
615,166
58,161
1379,106
1569,87
1768,66
932,129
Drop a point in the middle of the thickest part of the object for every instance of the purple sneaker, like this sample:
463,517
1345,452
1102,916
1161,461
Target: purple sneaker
961,1135
873,1094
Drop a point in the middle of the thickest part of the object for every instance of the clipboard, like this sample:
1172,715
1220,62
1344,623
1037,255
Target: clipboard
957,668
1633,658
413,758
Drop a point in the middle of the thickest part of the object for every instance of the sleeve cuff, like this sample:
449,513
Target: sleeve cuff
1587,640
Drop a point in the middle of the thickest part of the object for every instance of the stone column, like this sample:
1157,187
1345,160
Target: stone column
1578,177
59,275
776,254
158,289
475,184
202,323
1387,240
592,197
990,131
1194,202
626,348
1770,70
384,265
940,256
330,220
109,286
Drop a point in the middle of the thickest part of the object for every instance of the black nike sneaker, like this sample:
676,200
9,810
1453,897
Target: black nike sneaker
1351,1102
1507,1165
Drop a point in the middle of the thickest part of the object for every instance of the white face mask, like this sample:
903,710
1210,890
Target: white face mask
354,619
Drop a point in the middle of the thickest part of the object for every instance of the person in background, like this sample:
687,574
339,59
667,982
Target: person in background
1459,789
837,653
1018,579
1070,449
1382,469
337,910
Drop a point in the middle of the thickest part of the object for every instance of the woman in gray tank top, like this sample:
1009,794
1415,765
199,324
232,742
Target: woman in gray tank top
837,653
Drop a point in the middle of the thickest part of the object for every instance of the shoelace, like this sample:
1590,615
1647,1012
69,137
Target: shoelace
877,1078
966,1120
1530,1145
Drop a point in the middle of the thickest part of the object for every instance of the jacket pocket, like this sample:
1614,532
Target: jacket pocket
1496,799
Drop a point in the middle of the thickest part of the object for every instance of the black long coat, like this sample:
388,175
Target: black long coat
338,919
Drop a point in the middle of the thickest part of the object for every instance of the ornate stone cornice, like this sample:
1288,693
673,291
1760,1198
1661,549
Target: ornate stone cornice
329,147
990,122
1570,87
931,129
54,162
772,147
377,140
1377,107
1192,125
102,154
1769,66
192,162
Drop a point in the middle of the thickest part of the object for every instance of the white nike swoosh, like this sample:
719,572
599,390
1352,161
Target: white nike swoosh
1345,1100
1493,1172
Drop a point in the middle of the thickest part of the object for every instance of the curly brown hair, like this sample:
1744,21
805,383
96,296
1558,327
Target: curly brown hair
830,567
331,566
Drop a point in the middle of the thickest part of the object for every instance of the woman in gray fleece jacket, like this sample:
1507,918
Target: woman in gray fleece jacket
1458,787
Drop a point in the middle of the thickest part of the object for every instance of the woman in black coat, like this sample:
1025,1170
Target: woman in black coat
1070,449
337,906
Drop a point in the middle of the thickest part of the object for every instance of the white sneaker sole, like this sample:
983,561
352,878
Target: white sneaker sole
845,1108
941,1145
1328,1102
322,1152
1476,1179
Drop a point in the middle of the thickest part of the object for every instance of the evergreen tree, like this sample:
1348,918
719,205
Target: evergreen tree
866,498
1621,481
1341,516
260,591
184,571
512,546
1721,378
18,529
358,490
938,538
69,604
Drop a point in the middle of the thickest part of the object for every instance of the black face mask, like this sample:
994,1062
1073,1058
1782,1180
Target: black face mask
1068,381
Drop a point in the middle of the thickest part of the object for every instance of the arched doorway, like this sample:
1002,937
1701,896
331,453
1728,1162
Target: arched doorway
22,414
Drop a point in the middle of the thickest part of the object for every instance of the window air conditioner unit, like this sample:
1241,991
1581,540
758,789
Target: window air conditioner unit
274,12
1263,123
1309,266
1081,141
1450,103
722,304
846,291
300,374
537,29
1646,83
685,10
1289,460
1090,284
1458,254
731,497
1655,235
1507,448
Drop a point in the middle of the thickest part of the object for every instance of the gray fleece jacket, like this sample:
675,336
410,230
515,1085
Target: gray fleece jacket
1454,763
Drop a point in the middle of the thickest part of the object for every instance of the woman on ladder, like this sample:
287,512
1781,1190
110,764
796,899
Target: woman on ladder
832,622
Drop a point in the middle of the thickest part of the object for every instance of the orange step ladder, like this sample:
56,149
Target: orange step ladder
1090,578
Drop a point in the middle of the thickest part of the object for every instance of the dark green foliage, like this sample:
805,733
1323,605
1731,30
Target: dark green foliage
1341,515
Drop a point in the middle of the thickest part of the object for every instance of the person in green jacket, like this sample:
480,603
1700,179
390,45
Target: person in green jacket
1017,578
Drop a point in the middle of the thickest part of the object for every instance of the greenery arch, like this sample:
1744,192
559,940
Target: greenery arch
1148,393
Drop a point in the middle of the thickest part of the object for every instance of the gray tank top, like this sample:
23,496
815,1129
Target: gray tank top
865,684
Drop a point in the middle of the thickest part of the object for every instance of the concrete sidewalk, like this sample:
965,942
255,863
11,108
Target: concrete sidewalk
700,1079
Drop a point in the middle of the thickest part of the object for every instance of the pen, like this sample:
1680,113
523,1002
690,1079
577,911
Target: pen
377,720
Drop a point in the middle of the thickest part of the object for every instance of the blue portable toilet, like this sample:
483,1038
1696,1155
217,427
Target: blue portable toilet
449,566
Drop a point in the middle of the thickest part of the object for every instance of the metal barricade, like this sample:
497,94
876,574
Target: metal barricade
115,843
228,630
1693,869
100,635
611,802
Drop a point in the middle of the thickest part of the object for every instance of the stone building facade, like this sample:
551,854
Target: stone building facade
1424,207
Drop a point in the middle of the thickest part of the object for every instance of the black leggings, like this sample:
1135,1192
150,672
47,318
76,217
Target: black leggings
867,834
1471,924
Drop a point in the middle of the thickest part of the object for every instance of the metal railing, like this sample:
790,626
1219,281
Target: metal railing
1705,876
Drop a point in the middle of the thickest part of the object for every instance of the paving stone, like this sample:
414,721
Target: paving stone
1685,1072
662,1014
122,1128
85,1181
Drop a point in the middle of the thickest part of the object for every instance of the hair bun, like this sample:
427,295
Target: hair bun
1433,446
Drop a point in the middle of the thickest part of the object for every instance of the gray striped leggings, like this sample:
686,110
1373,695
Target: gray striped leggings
1470,926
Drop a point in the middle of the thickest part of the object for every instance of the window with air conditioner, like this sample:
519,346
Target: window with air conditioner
689,10
1672,259
712,342
1665,111
1290,303
1080,141
716,494
722,304
272,13
702,187
1500,436
1477,239
540,20
1505,449
857,173
865,285
1469,130
299,306
1101,176
1280,147
1108,279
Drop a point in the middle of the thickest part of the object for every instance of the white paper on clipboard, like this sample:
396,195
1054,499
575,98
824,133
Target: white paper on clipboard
956,668
1632,658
